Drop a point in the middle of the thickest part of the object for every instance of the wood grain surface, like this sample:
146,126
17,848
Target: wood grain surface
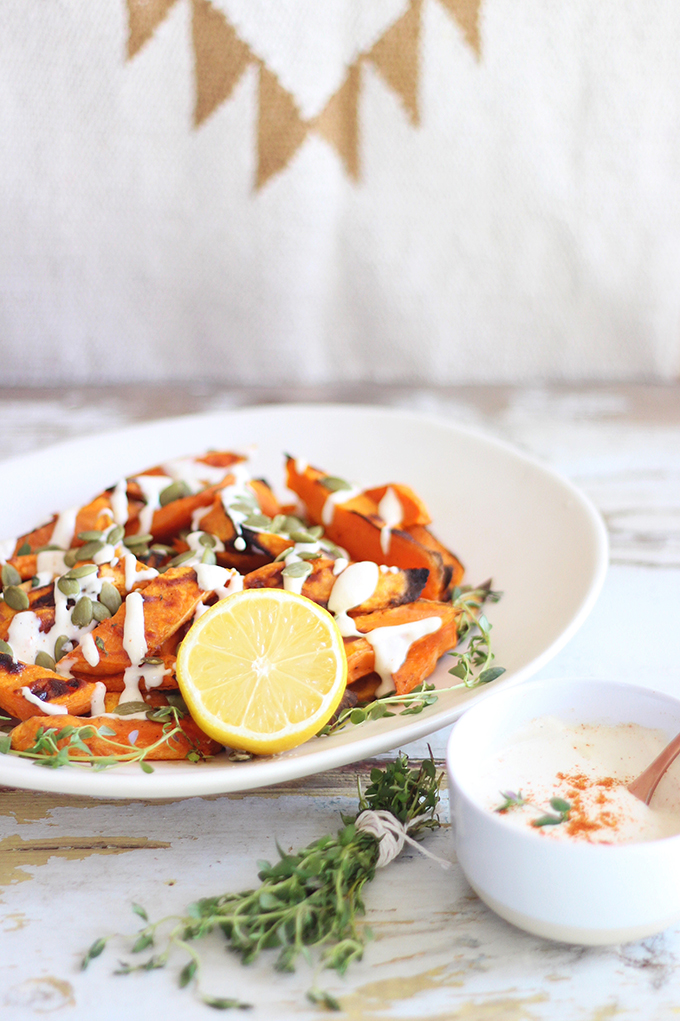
71,867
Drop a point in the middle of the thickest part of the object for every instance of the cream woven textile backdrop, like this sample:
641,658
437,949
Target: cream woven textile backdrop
262,191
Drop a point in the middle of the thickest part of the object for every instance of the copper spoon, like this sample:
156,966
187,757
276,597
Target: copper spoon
646,783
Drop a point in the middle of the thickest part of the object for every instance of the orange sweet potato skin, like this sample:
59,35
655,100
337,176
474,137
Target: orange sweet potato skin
73,694
423,654
414,511
356,527
169,601
147,733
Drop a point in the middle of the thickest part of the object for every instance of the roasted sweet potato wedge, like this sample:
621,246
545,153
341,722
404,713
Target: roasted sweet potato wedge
393,588
72,693
356,526
414,511
453,569
143,732
169,601
423,654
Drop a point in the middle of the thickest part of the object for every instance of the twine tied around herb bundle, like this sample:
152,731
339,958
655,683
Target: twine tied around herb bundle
391,834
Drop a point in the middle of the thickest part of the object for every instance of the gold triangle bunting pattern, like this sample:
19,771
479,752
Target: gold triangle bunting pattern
221,57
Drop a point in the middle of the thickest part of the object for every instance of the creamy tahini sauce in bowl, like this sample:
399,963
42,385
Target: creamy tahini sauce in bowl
588,766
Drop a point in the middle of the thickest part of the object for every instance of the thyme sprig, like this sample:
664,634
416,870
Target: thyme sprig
472,667
478,655
54,747
558,805
307,904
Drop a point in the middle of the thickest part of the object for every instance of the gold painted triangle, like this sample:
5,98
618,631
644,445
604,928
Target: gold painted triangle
280,128
338,122
219,55
396,55
466,13
144,17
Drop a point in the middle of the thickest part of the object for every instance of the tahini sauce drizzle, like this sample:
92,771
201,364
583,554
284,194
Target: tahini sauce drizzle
356,584
334,498
64,528
151,486
49,708
119,503
391,511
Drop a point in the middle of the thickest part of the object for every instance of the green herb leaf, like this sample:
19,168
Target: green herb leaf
324,998
187,973
128,708
95,950
139,910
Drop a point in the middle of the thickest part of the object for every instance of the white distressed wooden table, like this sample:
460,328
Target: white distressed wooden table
70,868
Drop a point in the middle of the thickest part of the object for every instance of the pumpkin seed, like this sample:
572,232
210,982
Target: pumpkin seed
5,649
35,581
110,597
138,540
309,556
153,660
24,549
87,551
302,536
16,598
10,575
206,539
44,660
59,644
182,558
277,523
70,557
82,571
115,534
69,586
293,524
175,491
48,549
128,708
100,612
316,531
333,483
81,615
91,536
164,551
208,557
283,554
298,569
257,521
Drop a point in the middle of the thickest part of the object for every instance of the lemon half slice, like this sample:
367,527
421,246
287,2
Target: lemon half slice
262,670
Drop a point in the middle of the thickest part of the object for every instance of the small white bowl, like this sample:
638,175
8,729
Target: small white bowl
574,892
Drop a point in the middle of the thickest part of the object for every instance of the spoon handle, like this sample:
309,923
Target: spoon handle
645,784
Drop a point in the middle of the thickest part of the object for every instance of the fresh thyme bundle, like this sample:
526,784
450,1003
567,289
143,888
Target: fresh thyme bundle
308,901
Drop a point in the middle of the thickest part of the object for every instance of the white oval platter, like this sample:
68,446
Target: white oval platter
505,515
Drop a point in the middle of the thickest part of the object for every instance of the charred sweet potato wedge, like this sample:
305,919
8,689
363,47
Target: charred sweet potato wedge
44,613
357,527
94,516
52,688
144,733
453,569
423,654
169,601
393,588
